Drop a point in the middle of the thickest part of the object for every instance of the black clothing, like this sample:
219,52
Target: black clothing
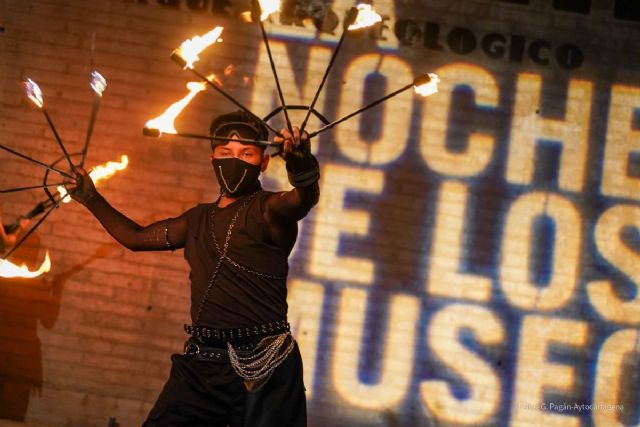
239,297
253,237
203,393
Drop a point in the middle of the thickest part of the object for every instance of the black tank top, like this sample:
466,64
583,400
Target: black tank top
251,292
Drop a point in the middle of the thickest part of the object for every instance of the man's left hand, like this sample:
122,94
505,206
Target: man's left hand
296,148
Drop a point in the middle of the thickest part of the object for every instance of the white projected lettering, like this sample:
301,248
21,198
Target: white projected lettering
395,371
528,127
609,374
556,246
479,377
535,373
609,242
622,141
334,221
435,112
305,301
445,278
396,112
516,256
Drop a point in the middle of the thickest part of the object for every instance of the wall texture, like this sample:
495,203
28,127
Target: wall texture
472,260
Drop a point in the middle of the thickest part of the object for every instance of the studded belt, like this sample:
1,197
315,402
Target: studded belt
224,335
201,351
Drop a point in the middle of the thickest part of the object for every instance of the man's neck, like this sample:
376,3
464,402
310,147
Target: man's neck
226,201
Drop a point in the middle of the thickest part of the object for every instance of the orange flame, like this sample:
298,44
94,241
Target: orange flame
190,49
34,93
268,7
246,17
10,270
98,174
428,88
366,17
165,122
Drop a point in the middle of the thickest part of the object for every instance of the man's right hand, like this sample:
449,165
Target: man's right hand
82,188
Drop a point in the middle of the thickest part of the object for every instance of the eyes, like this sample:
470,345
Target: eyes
248,153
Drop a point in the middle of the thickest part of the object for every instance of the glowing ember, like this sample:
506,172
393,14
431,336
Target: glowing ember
10,270
366,17
34,93
99,173
426,85
164,122
246,17
268,7
98,83
233,78
190,49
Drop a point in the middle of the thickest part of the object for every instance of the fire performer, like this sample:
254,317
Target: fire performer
9,233
240,366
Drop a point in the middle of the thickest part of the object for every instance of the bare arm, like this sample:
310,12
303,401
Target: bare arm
167,234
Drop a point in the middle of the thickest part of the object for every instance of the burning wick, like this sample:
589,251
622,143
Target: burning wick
350,19
98,174
366,17
35,94
10,270
424,85
187,54
164,123
267,7
98,84
264,12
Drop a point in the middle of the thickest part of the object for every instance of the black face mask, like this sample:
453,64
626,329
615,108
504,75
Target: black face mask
236,177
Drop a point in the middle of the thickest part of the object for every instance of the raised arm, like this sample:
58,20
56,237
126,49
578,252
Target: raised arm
303,172
167,234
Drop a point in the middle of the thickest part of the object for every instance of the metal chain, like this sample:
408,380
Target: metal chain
239,266
266,357
222,253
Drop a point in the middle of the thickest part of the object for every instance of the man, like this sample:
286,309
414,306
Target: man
241,366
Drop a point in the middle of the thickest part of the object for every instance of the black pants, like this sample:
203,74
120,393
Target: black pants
201,393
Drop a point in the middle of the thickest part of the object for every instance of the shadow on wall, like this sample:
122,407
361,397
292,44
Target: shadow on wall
24,303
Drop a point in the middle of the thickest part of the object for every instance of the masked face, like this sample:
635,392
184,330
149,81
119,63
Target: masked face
236,177
237,167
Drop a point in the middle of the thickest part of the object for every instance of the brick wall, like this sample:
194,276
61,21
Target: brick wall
471,260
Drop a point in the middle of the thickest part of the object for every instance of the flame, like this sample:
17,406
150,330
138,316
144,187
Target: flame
99,173
165,122
428,88
246,17
10,270
268,7
98,83
190,49
33,92
366,17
